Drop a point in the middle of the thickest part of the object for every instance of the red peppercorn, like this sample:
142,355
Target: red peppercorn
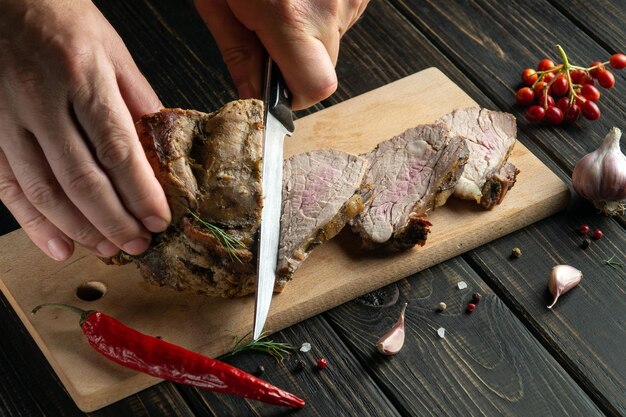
584,229
471,307
321,363
597,234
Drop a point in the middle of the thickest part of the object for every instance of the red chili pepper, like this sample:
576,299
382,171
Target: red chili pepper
165,360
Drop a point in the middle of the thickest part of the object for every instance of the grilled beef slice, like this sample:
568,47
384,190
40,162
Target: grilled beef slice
408,176
490,137
319,198
210,168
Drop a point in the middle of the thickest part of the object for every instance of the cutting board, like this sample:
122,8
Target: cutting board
334,273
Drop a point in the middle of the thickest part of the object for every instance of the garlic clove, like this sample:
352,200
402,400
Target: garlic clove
392,341
600,176
562,279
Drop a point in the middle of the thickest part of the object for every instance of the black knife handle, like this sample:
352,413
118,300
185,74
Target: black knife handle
277,95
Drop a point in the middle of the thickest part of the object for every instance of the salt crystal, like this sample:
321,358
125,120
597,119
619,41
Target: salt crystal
462,285
441,332
305,347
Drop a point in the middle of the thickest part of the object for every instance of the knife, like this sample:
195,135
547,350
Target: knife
278,123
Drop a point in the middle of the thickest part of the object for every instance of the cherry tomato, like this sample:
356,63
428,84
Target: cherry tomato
606,79
579,76
549,77
590,92
525,96
594,72
546,101
545,64
535,114
563,104
529,76
584,229
618,61
597,234
560,86
554,115
590,110
539,88
572,114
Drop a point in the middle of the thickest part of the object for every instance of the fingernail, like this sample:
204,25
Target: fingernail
155,224
59,249
137,246
106,248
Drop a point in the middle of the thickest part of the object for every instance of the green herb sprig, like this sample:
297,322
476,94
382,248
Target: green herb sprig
613,264
230,243
276,349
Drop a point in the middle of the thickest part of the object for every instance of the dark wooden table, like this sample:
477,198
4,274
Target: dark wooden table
512,356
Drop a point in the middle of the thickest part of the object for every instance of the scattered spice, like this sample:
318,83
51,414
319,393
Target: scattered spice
597,234
516,252
322,363
441,332
562,279
476,297
584,229
586,242
613,264
300,365
461,285
165,360
391,342
260,370
305,347
442,306
471,307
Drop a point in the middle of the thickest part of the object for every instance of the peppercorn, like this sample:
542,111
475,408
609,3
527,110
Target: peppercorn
597,234
442,306
260,370
321,363
471,307
476,297
516,252
300,365
585,243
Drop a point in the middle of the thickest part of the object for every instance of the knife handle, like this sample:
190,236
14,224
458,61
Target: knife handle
277,95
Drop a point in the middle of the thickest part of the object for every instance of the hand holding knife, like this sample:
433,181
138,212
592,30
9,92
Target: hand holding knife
278,120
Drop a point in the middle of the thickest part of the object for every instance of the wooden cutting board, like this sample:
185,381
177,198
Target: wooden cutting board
334,273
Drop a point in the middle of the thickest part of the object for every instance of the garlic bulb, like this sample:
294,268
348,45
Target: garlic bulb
392,341
600,176
562,279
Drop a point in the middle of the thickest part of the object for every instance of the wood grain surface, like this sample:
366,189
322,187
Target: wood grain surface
331,276
482,46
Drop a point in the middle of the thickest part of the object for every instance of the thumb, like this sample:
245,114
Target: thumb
240,48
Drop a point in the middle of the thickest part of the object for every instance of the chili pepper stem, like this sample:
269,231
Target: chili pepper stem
83,313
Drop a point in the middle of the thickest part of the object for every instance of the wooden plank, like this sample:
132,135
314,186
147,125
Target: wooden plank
331,276
487,364
343,389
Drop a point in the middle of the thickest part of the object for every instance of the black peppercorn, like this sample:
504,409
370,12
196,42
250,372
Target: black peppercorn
300,365
585,243
476,297
260,370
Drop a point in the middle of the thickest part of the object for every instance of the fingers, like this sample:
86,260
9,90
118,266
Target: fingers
240,47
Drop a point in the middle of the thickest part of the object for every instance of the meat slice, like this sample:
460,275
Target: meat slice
319,198
408,176
490,137
210,168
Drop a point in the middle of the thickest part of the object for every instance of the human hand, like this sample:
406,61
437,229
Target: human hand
301,36
71,165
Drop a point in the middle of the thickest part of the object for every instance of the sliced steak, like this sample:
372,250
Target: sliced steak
490,137
210,168
319,198
408,176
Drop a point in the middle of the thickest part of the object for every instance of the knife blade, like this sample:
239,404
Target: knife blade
278,124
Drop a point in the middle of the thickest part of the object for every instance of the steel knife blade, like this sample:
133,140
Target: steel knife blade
278,124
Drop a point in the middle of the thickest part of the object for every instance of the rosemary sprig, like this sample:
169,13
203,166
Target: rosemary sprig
277,349
230,243
613,264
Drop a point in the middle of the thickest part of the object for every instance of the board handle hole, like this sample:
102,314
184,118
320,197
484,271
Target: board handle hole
91,290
